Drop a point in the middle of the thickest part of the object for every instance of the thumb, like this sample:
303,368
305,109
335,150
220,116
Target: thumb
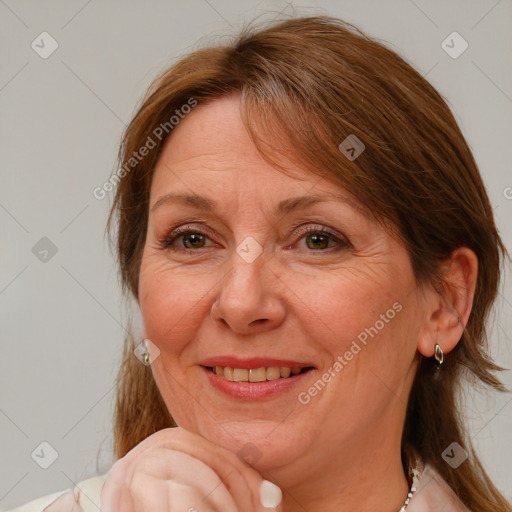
270,495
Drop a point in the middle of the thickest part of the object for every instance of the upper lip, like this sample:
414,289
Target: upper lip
252,362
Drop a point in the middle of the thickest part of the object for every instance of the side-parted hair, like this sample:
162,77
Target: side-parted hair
305,85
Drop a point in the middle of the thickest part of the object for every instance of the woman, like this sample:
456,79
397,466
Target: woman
314,256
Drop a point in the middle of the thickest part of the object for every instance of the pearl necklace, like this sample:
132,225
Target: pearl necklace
414,487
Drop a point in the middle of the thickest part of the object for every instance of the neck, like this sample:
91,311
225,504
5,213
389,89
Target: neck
365,476
363,487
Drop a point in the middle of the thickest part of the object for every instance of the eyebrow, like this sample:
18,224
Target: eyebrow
284,207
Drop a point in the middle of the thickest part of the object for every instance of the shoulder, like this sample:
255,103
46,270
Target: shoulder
84,497
434,494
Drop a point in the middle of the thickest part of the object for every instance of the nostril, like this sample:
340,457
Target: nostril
259,321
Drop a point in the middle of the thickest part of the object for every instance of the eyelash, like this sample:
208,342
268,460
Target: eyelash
167,241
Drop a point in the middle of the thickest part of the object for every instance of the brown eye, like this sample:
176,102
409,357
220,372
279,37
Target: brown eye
193,240
185,239
318,241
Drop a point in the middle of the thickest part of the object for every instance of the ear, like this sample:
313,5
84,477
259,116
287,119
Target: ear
448,308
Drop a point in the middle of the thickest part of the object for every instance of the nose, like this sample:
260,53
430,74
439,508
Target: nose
250,299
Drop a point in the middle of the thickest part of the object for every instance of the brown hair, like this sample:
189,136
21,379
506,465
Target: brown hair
311,82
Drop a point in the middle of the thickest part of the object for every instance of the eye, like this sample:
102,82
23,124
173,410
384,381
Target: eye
318,239
191,239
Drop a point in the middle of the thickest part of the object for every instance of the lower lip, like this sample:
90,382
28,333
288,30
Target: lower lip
255,390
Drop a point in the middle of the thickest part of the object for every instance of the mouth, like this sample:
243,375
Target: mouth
261,374
256,378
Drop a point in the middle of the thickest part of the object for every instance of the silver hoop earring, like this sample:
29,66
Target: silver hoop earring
438,356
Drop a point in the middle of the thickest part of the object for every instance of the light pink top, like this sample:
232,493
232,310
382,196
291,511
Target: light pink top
432,495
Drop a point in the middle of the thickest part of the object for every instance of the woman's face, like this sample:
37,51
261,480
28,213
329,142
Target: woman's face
251,281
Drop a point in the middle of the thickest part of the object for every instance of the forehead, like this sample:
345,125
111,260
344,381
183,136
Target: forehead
211,150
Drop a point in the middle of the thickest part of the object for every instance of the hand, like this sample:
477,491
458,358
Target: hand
175,470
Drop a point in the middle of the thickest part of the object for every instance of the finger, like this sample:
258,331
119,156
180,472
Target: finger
241,480
148,494
270,495
114,496
197,481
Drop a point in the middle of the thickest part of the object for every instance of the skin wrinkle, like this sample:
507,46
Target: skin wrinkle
295,78
309,316
368,263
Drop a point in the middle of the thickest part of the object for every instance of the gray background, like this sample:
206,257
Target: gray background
61,121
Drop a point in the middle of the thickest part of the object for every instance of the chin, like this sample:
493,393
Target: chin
264,445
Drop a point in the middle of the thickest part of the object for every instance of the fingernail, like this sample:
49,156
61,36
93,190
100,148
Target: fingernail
270,494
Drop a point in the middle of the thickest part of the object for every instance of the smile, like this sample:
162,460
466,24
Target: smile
260,374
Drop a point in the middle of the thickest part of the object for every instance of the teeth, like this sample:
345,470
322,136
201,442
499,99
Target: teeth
285,372
273,373
240,374
255,374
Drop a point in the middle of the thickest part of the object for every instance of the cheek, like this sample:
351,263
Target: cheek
172,304
337,307
364,328
365,323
